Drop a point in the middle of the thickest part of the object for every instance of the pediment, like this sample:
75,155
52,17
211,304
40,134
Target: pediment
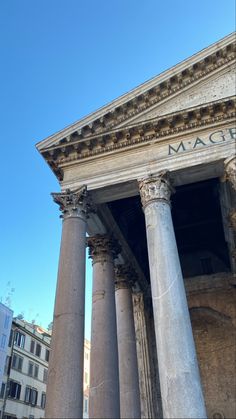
205,77
210,89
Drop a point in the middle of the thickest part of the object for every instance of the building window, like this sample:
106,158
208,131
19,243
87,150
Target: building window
36,371
86,355
17,362
33,369
7,366
19,339
32,346
85,405
2,392
30,369
38,350
86,377
43,400
45,375
34,396
10,338
47,355
14,390
31,396
27,394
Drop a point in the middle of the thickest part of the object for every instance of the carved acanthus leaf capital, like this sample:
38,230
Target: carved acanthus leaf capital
155,188
230,170
73,203
100,247
125,276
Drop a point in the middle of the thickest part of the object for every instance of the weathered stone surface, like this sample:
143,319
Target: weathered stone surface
211,301
178,369
65,377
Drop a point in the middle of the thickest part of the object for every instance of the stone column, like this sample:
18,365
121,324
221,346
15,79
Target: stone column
65,377
178,368
104,375
128,366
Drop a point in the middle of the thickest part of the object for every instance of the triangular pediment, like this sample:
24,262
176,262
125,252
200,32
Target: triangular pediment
218,86
205,77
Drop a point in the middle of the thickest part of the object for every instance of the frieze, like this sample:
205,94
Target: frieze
215,137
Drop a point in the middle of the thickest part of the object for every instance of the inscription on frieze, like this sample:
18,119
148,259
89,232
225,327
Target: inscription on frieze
215,137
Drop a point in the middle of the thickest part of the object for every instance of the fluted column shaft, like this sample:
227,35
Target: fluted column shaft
65,378
128,365
178,368
104,376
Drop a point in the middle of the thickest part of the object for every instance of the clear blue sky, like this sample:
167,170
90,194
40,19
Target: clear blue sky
60,60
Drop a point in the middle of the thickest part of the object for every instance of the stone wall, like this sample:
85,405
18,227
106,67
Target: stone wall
212,307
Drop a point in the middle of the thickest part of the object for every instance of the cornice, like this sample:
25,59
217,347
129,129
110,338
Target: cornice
149,94
133,136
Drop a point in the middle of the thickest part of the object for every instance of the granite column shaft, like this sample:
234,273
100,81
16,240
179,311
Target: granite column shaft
65,377
128,365
104,375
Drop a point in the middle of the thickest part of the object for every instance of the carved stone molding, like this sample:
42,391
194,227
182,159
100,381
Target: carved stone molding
101,247
73,204
180,122
230,170
156,188
125,276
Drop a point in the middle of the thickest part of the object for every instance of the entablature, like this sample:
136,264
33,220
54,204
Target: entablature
157,130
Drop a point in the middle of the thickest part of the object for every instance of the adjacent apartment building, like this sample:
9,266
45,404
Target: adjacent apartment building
23,388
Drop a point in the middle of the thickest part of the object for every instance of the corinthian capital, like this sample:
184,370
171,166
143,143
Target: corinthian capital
125,276
73,203
101,247
156,188
230,170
